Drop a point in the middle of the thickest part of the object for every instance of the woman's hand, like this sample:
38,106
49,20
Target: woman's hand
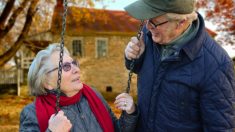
59,123
125,102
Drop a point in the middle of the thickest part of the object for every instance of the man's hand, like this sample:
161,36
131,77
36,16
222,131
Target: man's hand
135,48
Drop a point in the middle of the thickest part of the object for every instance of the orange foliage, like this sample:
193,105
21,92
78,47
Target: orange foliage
222,13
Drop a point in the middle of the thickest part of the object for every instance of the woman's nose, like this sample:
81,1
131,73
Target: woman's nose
75,69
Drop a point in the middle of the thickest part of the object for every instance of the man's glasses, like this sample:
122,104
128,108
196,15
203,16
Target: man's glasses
150,21
66,66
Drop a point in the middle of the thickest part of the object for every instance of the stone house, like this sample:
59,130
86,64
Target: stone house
97,38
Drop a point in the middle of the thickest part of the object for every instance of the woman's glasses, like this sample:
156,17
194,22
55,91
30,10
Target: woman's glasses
66,66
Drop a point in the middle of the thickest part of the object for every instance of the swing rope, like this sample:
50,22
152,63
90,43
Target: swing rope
58,91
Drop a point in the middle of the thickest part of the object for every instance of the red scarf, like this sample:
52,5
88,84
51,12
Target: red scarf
45,107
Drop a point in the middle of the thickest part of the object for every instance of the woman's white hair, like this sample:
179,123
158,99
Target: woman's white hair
39,68
177,17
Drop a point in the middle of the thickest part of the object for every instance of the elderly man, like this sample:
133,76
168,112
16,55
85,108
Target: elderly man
185,79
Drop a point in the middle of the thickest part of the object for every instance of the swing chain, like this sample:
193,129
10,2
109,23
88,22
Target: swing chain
133,61
62,53
61,56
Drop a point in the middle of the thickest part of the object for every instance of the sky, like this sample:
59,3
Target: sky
116,5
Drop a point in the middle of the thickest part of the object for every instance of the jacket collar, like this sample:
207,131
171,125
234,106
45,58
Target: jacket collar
193,47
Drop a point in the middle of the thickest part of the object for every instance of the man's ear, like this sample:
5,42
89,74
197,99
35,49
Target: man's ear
180,23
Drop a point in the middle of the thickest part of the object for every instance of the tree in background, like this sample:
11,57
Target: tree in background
222,14
20,19
15,21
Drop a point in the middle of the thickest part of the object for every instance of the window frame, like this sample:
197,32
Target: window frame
82,47
96,45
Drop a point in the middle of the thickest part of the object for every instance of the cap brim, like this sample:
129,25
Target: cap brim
140,10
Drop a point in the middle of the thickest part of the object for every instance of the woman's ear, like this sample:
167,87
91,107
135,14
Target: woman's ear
48,86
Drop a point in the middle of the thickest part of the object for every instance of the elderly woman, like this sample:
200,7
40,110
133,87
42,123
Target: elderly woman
81,108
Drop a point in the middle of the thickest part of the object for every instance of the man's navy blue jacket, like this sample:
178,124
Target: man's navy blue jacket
192,91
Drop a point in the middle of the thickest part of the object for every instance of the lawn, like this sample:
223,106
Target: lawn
11,107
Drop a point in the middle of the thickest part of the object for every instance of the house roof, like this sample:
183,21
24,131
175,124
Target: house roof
94,21
87,21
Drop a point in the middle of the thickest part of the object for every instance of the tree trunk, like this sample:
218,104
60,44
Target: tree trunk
12,51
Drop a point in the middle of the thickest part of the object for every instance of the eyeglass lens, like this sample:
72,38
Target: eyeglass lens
67,65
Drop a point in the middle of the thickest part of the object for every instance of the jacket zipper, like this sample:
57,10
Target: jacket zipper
82,117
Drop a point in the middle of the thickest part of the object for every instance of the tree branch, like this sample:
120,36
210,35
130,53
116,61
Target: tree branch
12,51
11,21
6,12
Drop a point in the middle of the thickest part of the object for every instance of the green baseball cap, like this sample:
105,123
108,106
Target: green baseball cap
146,9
